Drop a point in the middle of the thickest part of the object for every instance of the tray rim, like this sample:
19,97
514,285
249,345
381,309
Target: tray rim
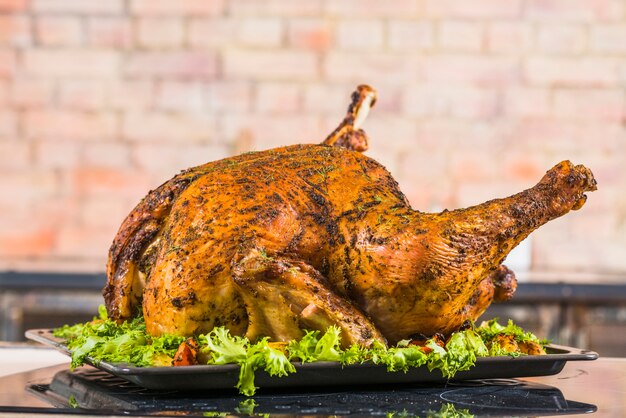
44,336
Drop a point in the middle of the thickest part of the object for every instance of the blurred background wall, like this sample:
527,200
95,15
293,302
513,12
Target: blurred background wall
101,101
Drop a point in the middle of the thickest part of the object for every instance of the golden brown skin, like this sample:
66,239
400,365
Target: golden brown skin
301,237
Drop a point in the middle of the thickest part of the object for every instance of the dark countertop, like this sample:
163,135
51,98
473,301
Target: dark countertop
601,382
596,387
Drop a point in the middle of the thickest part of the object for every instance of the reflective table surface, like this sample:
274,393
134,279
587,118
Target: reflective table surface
595,387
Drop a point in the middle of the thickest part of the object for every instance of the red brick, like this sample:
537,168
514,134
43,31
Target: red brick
574,10
572,72
61,124
8,123
160,32
418,170
106,154
310,33
509,37
369,67
278,98
327,99
270,65
554,249
527,102
543,135
360,34
272,132
610,39
590,104
389,136
28,241
522,167
472,69
411,35
561,38
78,6
261,32
472,166
456,102
484,9
229,96
14,155
13,5
212,32
275,8
58,31
172,64
181,96
53,211
81,94
31,92
474,193
109,32
68,63
177,7
461,36
432,196
131,94
7,62
107,182
168,127
373,8
106,212
80,241
15,30
56,154
459,136
603,224
167,160
423,101
27,186
4,93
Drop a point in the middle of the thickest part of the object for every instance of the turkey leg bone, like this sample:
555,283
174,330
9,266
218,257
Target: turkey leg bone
349,133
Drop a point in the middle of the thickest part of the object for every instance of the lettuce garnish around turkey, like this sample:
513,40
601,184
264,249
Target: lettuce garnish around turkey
128,342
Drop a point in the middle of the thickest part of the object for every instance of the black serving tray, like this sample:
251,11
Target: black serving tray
97,392
323,374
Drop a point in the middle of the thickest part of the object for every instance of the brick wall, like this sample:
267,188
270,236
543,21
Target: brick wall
101,101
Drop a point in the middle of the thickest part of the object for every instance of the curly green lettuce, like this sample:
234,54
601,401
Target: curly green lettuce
129,343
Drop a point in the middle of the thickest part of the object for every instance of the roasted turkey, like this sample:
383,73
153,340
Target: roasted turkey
302,237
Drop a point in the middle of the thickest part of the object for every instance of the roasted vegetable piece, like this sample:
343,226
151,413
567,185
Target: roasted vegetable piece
531,348
302,237
187,353
506,343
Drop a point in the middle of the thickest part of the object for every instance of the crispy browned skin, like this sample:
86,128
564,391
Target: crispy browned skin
302,237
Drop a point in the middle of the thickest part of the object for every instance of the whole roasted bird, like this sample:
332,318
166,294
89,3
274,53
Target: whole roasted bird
275,242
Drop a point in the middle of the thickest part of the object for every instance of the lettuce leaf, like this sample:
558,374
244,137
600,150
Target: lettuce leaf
225,348
104,340
488,330
462,349
400,358
312,348
262,356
